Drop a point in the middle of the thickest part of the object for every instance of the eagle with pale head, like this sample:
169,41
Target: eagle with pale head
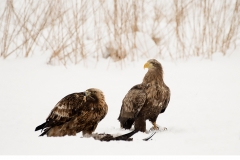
145,101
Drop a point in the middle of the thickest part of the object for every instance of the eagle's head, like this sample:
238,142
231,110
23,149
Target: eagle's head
152,64
94,93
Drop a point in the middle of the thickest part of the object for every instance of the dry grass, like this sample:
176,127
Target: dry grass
72,31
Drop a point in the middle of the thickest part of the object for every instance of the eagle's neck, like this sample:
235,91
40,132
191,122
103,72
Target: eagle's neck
101,99
155,84
102,104
155,76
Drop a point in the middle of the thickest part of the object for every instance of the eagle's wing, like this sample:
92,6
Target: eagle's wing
167,100
132,105
65,109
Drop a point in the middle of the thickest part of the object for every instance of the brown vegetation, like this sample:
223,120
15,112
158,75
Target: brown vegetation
71,31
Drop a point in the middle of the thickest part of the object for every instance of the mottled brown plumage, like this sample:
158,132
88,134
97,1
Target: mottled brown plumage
145,101
75,113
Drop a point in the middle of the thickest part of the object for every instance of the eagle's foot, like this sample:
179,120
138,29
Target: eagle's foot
156,127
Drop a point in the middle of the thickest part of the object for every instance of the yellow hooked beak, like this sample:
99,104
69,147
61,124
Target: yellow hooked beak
147,65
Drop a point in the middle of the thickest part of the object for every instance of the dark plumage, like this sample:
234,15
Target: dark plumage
75,113
145,101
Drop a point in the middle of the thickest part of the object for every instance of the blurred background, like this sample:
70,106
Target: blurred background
73,31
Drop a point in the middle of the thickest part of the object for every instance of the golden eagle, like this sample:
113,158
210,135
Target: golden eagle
74,113
145,101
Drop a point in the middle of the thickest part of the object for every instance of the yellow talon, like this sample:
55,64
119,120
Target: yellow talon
155,127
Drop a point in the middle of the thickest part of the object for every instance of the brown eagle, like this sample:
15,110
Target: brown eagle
145,101
74,113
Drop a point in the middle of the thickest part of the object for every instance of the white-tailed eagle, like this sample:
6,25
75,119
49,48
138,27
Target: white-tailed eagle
145,101
76,112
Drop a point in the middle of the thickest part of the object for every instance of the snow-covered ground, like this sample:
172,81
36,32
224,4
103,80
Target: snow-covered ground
203,116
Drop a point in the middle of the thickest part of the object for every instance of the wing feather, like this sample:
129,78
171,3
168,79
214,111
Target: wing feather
66,108
167,100
132,103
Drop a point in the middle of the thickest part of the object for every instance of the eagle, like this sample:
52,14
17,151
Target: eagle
145,101
76,112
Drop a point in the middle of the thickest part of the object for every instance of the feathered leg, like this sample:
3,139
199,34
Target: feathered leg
140,124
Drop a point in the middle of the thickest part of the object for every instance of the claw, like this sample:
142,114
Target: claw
156,127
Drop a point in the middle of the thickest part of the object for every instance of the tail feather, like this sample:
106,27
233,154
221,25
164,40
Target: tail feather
125,137
42,126
45,131
126,123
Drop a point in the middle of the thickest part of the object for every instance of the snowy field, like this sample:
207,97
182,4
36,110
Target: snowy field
203,116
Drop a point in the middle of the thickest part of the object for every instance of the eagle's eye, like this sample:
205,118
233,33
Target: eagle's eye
154,63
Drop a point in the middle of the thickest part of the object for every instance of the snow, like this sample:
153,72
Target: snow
202,117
